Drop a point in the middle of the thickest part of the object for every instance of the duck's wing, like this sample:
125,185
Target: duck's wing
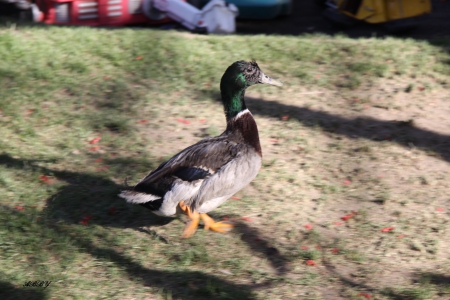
186,170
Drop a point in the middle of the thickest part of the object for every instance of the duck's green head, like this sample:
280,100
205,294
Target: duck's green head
236,79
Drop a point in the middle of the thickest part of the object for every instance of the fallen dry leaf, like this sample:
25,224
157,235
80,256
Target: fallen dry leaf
102,168
311,262
85,220
346,182
183,121
95,140
285,118
349,216
45,179
387,229
112,211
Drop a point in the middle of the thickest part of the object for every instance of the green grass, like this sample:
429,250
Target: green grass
62,87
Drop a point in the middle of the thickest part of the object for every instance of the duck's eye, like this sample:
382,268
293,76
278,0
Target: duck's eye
249,70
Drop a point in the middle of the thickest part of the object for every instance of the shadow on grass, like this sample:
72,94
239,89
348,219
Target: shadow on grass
426,283
402,132
252,237
11,292
87,193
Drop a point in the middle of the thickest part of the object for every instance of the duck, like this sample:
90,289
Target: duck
203,176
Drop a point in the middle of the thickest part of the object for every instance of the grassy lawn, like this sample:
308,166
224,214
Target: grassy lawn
352,200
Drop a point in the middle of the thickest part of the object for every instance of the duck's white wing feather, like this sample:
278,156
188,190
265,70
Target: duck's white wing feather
228,180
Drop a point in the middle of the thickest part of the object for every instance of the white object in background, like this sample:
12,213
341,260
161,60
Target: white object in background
216,17
220,17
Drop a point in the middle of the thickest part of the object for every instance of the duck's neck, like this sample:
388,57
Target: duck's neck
233,101
240,119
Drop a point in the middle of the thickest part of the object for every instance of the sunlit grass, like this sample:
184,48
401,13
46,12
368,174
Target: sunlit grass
60,88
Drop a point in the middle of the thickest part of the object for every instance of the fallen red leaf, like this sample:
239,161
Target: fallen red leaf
347,182
113,154
85,220
368,296
102,168
95,141
247,219
387,229
274,140
401,236
142,121
112,211
183,121
106,77
311,262
420,88
440,209
96,148
235,198
349,216
318,247
337,223
19,208
138,57
285,117
308,226
202,121
304,247
45,179
335,250
98,160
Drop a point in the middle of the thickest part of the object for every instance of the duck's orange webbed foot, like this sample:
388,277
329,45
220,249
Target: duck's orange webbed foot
194,218
215,226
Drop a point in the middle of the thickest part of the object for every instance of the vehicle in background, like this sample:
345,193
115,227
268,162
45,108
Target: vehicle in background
394,15
258,10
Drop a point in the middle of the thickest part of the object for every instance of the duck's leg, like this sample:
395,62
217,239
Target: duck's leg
215,226
194,218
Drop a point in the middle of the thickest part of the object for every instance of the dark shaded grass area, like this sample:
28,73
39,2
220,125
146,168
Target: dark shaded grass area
63,207
211,287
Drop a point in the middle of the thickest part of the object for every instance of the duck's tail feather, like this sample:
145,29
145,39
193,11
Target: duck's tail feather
138,197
